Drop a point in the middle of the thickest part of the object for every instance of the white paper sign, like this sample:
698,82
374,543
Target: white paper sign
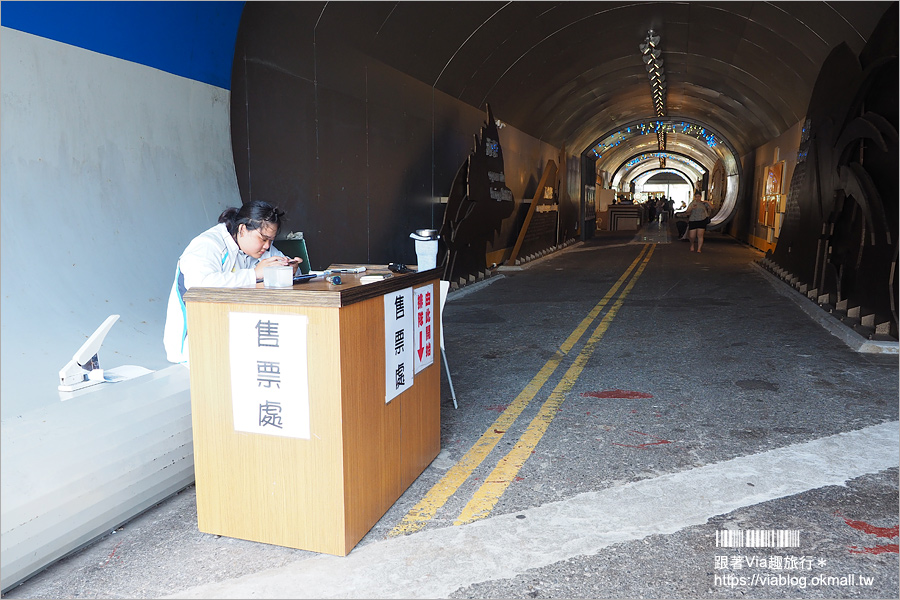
423,298
269,375
398,342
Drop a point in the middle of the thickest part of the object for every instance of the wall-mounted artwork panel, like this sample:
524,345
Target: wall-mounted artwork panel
839,233
773,180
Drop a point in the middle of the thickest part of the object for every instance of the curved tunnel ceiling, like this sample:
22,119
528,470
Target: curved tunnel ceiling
683,138
648,162
665,176
569,73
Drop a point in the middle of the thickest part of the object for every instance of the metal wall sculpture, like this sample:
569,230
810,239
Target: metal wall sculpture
478,203
839,238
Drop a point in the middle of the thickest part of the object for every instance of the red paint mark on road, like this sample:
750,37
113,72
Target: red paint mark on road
658,441
885,532
519,478
498,407
498,431
876,549
616,394
112,555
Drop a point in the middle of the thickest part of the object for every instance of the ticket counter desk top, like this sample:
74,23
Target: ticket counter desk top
318,291
322,491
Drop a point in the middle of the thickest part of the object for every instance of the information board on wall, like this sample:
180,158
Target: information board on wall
423,298
399,342
269,374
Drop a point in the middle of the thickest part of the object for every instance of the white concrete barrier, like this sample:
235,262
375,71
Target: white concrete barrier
109,168
78,469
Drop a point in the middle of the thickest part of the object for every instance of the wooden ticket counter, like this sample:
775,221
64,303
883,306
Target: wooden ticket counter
324,489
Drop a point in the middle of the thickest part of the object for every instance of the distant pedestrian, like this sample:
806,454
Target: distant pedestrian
699,214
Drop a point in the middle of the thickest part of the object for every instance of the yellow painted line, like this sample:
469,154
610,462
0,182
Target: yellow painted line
508,468
438,495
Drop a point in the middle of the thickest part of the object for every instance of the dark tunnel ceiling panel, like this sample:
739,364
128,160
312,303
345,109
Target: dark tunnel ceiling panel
569,72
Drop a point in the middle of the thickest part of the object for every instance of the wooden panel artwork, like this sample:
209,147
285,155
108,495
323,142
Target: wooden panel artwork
771,192
548,178
773,179
763,210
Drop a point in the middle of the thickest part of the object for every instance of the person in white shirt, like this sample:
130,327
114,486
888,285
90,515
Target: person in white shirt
232,253
699,213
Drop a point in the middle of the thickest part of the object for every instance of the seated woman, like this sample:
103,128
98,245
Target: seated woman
232,253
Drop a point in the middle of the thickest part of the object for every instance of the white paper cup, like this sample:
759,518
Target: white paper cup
426,254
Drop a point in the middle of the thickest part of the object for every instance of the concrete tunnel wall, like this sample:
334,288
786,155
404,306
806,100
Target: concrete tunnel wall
109,169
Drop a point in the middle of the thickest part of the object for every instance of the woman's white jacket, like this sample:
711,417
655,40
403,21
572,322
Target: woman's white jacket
212,259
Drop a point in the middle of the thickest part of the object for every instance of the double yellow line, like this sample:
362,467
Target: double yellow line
507,468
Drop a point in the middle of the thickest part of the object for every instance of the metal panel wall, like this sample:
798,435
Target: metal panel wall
356,152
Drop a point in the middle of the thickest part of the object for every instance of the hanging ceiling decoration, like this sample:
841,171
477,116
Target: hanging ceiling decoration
653,62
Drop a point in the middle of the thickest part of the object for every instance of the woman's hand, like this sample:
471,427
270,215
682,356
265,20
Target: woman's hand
295,263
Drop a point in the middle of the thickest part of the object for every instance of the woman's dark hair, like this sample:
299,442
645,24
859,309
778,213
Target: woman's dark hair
253,215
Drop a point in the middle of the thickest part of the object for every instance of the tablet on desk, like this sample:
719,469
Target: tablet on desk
299,278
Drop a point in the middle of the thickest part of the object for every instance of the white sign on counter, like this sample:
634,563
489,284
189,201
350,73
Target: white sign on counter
423,298
399,342
269,374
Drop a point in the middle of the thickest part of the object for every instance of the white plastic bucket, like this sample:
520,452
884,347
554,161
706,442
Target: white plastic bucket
278,277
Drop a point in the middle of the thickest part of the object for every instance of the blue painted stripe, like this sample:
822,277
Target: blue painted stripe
179,282
190,39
